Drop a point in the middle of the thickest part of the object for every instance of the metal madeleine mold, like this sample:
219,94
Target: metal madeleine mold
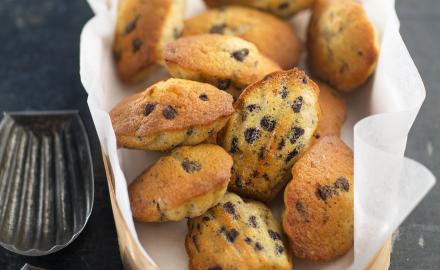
46,181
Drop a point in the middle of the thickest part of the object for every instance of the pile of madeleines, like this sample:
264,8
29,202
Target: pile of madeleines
242,123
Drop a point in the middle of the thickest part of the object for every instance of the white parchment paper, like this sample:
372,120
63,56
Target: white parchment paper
387,185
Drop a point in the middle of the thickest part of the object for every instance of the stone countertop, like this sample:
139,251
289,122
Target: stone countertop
39,70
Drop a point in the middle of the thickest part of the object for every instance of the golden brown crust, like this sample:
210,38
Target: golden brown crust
342,43
273,37
170,113
236,234
333,111
318,218
281,8
228,62
142,28
193,177
273,124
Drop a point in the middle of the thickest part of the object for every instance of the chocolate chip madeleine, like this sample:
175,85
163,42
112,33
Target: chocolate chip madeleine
273,124
185,184
142,29
227,62
236,234
171,113
318,218
273,37
342,43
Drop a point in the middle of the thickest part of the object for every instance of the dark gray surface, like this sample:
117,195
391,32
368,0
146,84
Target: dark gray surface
417,244
39,70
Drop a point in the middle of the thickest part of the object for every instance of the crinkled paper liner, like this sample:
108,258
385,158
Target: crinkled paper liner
387,185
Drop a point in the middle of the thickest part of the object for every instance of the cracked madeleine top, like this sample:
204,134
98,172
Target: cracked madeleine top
169,113
223,61
142,28
273,37
183,184
342,43
318,218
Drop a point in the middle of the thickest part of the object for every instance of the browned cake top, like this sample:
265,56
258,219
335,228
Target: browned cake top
170,105
189,171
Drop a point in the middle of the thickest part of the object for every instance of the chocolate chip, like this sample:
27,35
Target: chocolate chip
291,155
284,92
342,184
297,104
189,132
229,208
278,249
258,246
268,123
252,107
234,146
136,44
283,5
194,239
261,153
251,135
274,235
324,192
191,166
231,235
281,144
302,210
296,132
203,97
149,108
117,55
218,29
240,55
248,240
223,84
169,112
215,267
253,221
317,136
305,80
131,25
